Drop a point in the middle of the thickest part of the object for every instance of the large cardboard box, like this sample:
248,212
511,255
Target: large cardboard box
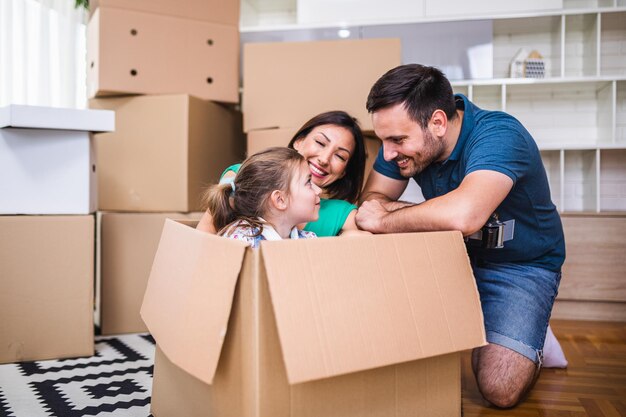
258,140
287,83
131,52
46,287
362,325
213,11
165,150
126,244
47,161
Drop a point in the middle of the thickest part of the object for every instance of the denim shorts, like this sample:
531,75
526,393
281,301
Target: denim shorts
517,302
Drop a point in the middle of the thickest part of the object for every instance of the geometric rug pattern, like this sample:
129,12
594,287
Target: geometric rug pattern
116,381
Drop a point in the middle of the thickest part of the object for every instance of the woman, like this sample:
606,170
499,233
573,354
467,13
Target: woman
333,146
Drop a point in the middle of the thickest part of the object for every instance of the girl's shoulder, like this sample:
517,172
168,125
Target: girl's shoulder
245,232
305,234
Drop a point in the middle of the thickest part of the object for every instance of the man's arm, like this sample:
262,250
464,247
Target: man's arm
385,190
465,209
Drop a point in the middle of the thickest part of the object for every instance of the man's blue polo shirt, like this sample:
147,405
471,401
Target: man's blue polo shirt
496,141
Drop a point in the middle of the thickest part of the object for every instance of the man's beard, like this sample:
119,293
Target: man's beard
433,151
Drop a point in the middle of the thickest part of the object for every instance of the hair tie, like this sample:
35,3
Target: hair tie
231,181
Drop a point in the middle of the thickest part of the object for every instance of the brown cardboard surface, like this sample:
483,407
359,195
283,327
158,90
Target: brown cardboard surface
164,151
165,54
404,297
214,11
128,242
286,83
411,303
46,287
258,140
191,328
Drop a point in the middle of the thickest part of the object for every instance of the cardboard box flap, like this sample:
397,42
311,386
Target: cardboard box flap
190,269
356,303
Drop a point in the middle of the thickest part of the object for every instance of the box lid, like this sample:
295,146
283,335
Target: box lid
356,303
287,83
190,262
39,117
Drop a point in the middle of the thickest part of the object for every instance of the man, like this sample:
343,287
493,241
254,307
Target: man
472,164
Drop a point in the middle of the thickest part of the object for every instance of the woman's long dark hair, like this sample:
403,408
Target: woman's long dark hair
349,186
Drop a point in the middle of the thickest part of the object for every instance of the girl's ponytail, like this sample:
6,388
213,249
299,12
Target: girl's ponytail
217,200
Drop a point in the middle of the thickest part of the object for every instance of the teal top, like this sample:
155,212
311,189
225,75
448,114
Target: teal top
333,213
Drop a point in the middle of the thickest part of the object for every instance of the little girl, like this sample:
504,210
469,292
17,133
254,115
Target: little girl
271,194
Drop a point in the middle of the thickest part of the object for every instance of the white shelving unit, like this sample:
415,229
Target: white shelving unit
577,113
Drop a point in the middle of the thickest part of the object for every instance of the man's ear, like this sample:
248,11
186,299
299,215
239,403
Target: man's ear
278,200
438,123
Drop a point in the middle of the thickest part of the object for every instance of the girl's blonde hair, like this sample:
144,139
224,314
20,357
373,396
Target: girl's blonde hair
247,199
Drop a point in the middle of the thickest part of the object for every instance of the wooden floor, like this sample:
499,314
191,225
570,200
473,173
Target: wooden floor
594,383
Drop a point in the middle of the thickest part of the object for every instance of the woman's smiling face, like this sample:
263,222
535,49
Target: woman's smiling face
327,149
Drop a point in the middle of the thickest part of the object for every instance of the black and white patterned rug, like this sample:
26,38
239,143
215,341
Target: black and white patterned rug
116,381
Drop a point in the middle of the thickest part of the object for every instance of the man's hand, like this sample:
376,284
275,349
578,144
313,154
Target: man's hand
370,216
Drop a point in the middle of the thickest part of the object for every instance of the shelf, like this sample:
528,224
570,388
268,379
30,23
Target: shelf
580,55
542,33
541,81
581,147
282,15
613,44
612,184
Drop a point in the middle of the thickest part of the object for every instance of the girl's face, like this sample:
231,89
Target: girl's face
304,196
327,149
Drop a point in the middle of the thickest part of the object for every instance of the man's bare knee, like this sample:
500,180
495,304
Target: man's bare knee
503,376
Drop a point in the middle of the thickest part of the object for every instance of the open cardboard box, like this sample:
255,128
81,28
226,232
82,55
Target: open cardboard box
361,325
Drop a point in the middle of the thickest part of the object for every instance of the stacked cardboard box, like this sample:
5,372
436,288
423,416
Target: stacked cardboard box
171,141
49,193
287,83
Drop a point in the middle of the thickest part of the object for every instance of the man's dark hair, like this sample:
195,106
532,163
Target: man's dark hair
421,90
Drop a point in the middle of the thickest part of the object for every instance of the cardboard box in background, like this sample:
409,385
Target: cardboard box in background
313,327
131,52
213,11
165,150
258,140
126,245
286,83
46,287
47,161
